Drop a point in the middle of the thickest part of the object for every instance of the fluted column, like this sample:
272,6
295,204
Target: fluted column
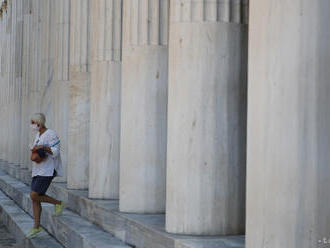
144,106
17,38
12,107
105,98
26,36
34,64
78,143
7,77
6,87
59,84
35,59
26,82
12,16
2,92
288,173
206,117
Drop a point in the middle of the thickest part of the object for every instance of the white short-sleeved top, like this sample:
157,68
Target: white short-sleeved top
46,168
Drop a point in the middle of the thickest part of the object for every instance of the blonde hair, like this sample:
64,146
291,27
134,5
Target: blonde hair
39,118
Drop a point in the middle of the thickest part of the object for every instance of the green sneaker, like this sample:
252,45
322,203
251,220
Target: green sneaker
34,232
59,209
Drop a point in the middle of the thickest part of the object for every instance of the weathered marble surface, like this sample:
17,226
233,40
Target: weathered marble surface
105,130
143,107
26,84
10,82
288,173
58,118
58,85
78,133
205,193
105,99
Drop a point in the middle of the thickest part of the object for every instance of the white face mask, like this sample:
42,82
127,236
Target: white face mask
34,127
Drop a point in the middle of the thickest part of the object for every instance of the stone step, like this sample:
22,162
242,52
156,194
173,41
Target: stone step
139,230
7,240
70,229
19,223
15,171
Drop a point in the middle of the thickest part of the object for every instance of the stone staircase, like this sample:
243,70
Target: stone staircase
19,222
92,223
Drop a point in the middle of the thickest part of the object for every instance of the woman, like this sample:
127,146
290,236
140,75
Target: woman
46,152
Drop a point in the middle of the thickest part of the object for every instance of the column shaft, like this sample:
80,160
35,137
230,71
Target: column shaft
105,99
144,106
25,111
78,143
206,119
59,85
288,176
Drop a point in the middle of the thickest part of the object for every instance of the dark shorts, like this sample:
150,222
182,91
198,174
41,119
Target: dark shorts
40,184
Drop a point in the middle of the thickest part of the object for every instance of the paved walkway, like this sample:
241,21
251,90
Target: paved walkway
6,239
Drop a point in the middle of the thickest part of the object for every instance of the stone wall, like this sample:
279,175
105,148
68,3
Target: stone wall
148,97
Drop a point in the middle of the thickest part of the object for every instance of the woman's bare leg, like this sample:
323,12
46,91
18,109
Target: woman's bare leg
48,199
36,213
36,204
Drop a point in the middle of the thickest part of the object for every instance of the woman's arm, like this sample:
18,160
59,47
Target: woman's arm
48,150
54,145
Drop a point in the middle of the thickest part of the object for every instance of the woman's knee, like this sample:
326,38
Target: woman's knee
34,196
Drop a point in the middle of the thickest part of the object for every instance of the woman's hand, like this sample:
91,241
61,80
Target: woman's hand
46,148
36,148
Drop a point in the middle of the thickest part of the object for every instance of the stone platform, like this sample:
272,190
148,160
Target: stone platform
137,230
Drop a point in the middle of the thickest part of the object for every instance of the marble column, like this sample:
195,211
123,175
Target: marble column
288,176
24,138
207,117
59,86
34,64
78,139
11,107
2,102
144,106
13,15
5,34
7,78
4,69
105,99
26,83
16,41
2,93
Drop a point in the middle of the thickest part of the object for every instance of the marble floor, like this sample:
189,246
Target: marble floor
6,239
